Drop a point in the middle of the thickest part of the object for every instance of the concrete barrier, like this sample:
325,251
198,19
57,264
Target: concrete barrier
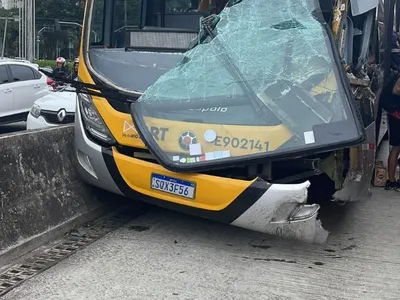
41,195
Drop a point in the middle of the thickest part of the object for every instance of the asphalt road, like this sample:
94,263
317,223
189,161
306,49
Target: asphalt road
9,128
175,256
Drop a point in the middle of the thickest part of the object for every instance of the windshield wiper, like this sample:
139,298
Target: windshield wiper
98,90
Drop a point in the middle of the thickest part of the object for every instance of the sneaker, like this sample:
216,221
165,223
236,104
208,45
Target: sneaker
392,185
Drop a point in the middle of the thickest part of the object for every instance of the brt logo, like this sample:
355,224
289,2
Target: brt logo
159,133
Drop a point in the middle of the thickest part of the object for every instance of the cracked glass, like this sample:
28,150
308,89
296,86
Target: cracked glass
260,79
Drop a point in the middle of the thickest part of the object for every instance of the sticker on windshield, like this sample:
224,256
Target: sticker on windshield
309,137
210,135
195,149
218,155
206,157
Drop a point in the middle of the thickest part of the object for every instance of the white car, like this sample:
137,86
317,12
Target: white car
21,84
54,109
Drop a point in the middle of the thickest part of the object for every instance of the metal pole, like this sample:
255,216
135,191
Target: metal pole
26,29
34,26
19,29
4,38
125,16
388,21
23,29
397,15
70,23
37,47
29,23
38,41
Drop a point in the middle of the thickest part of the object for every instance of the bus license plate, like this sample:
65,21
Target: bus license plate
173,186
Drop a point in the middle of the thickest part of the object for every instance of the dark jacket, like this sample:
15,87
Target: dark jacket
60,73
73,75
387,100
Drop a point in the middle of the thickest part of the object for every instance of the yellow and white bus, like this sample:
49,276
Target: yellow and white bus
240,117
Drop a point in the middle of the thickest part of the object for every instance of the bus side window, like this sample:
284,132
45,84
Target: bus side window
178,14
176,6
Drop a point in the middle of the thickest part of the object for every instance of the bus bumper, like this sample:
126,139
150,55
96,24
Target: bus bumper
276,209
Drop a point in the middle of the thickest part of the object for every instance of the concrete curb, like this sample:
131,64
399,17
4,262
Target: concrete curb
41,194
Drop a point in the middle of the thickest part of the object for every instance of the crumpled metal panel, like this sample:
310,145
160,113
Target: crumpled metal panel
357,183
271,214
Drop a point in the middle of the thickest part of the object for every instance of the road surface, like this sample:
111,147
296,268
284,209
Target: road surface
166,255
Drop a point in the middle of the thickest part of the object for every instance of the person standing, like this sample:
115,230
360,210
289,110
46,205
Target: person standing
61,70
390,101
74,73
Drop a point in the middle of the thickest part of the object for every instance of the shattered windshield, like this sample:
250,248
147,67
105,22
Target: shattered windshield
262,79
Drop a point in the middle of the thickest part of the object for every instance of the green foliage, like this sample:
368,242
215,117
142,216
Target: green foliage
180,5
12,32
60,9
64,10
72,10
46,13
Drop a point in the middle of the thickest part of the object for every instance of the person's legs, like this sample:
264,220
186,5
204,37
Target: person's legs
394,141
392,162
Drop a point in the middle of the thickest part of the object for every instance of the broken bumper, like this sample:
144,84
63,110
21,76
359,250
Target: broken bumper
283,211
277,209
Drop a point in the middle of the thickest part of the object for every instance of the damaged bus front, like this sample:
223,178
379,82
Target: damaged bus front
228,116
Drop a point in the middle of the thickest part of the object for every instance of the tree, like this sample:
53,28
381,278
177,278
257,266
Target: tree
179,5
72,10
64,10
60,9
11,47
46,13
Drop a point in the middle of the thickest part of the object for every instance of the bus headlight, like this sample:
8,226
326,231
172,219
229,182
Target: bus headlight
93,121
